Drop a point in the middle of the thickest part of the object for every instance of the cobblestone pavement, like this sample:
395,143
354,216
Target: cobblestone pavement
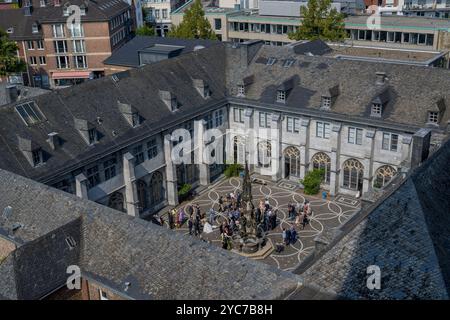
326,214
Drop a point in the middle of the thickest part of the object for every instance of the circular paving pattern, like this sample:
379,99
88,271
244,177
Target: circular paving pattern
326,214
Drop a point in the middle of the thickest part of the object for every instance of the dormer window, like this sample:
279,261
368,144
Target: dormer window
10,30
281,96
377,108
135,119
42,3
433,117
92,136
202,87
37,157
241,90
326,102
35,28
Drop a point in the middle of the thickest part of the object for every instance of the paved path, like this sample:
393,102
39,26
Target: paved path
326,214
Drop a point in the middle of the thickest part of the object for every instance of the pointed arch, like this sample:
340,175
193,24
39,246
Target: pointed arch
353,174
322,161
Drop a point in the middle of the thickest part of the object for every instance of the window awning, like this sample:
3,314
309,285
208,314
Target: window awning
71,75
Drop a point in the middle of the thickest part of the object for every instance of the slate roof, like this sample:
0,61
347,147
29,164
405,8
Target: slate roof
113,248
407,236
128,56
411,88
25,92
100,10
138,87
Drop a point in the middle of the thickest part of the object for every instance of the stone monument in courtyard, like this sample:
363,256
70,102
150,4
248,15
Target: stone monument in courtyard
251,238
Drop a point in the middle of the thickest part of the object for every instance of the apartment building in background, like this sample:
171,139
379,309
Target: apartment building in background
159,14
59,54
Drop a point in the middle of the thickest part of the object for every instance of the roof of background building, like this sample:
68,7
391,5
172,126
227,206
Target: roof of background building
100,10
128,55
113,248
406,236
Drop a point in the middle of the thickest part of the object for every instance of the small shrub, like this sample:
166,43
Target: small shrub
312,181
233,170
184,191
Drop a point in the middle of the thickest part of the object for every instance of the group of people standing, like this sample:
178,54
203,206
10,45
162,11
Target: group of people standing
193,216
300,212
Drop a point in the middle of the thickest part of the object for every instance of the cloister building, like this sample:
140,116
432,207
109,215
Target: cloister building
111,140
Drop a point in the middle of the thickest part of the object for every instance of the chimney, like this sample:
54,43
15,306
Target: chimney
12,93
53,140
169,99
248,50
381,78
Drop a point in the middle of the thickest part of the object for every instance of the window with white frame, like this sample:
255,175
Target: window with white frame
238,115
33,61
390,141
152,149
433,117
58,31
323,129
281,96
79,62
103,295
355,135
264,120
209,121
241,90
76,30
60,46
40,44
42,60
30,45
377,109
62,62
218,117
293,124
79,46
326,102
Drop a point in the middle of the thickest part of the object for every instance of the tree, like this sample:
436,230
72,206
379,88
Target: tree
145,30
312,181
320,22
9,62
194,24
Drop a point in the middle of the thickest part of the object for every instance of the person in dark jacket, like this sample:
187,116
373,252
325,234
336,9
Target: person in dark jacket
190,225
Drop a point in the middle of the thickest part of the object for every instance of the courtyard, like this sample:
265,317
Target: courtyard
326,214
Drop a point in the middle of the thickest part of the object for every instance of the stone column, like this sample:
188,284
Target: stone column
277,152
81,186
335,152
304,147
203,168
367,179
250,140
171,173
130,185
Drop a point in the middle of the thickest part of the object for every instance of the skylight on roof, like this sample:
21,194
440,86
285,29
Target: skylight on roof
271,61
288,62
30,113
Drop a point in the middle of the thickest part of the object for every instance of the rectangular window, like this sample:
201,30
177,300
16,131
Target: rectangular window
92,133
281,96
355,135
138,154
376,109
62,62
241,90
103,295
264,120
164,13
37,157
218,24
323,130
42,60
60,46
109,168
33,61
79,46
209,121
152,149
326,102
30,45
293,125
218,115
58,31
433,117
40,44
390,141
79,62
93,176
76,30
238,115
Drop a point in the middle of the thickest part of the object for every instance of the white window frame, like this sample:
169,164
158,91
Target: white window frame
281,96
55,30
355,135
433,117
323,129
387,142
264,119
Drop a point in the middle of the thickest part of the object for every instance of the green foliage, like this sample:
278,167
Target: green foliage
233,170
312,181
194,24
145,30
9,63
319,21
184,191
